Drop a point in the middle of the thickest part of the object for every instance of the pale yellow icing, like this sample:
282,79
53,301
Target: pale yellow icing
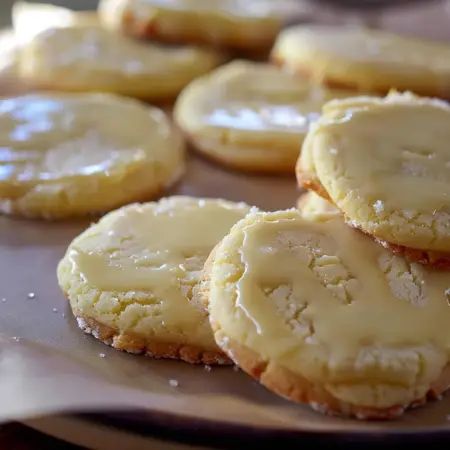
332,306
147,259
94,59
81,144
386,164
367,59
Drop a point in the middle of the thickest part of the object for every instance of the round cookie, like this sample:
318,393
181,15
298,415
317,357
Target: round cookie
250,116
385,164
365,59
130,278
312,205
248,26
93,59
321,314
76,154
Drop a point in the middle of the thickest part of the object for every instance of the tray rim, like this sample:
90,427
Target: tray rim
200,431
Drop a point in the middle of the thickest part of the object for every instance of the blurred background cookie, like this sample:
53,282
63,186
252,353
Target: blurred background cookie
251,116
29,19
365,59
321,314
385,164
94,59
72,155
130,278
248,26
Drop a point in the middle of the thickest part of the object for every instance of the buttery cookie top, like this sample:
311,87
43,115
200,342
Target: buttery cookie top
94,59
143,262
329,315
385,163
72,154
366,59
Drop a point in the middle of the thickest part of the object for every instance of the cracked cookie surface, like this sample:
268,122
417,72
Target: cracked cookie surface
130,278
393,184
251,116
320,313
65,155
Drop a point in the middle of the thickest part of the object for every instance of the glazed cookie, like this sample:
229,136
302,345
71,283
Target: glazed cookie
288,302
369,60
243,25
250,116
130,277
76,154
385,164
94,59
312,205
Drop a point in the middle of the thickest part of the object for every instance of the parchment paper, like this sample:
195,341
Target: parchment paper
48,365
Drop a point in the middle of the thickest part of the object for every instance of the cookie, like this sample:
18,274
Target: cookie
250,116
365,59
76,154
247,26
312,205
385,164
85,59
321,314
130,278
29,19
